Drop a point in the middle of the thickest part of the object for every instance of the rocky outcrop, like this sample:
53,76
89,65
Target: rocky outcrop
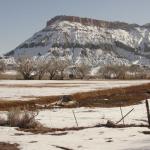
92,22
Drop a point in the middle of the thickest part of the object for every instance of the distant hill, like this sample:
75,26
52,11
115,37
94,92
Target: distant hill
96,42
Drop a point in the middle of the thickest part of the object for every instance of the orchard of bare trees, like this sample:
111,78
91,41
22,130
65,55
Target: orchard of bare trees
61,68
123,72
37,68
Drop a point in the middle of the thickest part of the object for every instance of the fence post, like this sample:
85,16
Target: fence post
122,115
75,118
148,114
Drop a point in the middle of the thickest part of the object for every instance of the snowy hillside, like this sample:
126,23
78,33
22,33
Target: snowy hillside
92,41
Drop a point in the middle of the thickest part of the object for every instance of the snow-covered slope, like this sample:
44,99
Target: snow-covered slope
96,42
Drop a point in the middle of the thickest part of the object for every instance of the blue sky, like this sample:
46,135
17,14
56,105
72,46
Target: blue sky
20,19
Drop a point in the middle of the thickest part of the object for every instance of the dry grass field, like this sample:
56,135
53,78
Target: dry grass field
114,97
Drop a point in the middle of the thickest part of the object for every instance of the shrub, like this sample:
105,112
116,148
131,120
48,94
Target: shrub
22,118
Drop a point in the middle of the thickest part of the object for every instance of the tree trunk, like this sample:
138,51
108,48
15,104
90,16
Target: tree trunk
62,75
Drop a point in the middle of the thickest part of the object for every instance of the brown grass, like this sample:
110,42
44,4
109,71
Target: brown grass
10,77
7,105
43,130
22,118
115,97
7,146
64,131
37,85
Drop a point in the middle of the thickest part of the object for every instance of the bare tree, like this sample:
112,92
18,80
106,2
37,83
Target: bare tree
52,68
113,71
2,66
138,72
26,66
82,70
41,67
62,64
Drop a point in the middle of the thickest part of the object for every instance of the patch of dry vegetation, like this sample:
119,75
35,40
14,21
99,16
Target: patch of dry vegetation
8,146
64,131
101,98
43,130
37,85
21,118
113,97
30,105
5,76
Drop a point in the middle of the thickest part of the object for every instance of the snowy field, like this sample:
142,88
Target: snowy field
27,90
99,138
60,118
95,138
88,139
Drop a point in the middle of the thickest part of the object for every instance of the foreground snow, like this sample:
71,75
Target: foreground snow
27,90
87,139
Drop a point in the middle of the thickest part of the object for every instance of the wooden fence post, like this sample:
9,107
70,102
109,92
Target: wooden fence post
122,114
75,118
148,114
